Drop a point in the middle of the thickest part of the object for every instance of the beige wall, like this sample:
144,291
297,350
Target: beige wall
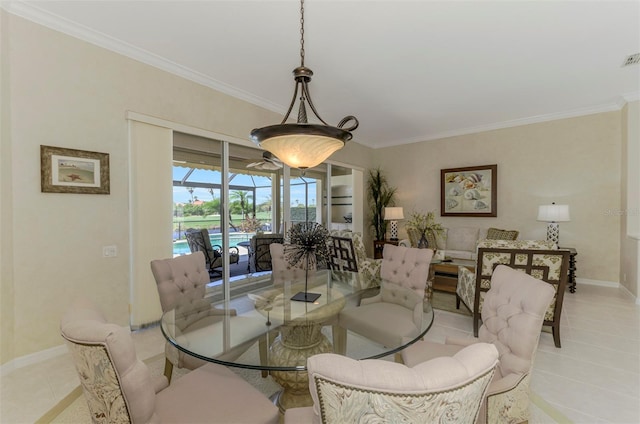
6,202
574,161
630,207
60,91
69,93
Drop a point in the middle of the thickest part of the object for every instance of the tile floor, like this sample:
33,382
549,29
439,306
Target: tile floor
593,378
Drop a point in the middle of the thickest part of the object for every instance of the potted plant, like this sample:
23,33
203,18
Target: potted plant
380,195
426,228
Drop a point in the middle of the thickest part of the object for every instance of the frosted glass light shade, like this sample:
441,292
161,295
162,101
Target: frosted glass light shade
302,150
393,213
553,213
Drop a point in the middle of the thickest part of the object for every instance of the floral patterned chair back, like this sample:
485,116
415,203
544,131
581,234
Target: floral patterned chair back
348,255
117,386
539,258
446,389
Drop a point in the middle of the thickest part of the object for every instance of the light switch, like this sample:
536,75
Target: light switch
109,251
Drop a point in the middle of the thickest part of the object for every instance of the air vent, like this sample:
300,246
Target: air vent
633,59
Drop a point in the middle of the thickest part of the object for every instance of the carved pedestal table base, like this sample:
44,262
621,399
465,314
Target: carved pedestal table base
296,342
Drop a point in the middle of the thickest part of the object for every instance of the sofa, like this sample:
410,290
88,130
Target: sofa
461,242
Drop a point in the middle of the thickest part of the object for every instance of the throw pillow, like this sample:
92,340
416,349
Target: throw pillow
498,234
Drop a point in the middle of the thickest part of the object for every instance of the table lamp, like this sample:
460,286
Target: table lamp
393,215
552,214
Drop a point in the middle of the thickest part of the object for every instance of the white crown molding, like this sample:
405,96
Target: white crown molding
65,26
55,22
608,107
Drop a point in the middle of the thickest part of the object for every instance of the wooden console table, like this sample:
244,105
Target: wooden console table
378,247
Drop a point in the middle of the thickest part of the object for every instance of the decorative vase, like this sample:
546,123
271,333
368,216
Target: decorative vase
423,243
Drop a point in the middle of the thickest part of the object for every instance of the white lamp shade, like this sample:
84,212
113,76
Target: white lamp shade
553,213
393,213
302,150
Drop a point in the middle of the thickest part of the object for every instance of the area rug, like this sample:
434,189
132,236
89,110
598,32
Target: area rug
74,410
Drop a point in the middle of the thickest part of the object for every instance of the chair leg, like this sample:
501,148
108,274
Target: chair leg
476,320
555,329
339,339
263,346
457,301
168,369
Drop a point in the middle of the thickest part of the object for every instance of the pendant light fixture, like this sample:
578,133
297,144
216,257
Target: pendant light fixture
304,145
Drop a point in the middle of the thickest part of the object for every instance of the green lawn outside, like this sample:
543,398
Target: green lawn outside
212,221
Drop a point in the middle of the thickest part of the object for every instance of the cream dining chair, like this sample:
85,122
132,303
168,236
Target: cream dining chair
448,389
119,388
396,312
512,318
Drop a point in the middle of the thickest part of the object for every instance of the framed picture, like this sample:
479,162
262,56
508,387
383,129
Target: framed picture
73,171
470,191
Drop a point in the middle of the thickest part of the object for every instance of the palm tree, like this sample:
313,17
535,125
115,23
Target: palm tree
244,198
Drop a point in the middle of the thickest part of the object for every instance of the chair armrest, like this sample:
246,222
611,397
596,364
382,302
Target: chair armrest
404,243
504,384
374,299
466,289
418,312
160,382
217,250
216,311
458,341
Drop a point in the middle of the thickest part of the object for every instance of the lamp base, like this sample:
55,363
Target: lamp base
394,230
306,297
553,232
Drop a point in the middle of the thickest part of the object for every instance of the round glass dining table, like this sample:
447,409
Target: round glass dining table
260,327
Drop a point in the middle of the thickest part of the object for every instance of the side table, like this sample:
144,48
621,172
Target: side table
378,247
571,279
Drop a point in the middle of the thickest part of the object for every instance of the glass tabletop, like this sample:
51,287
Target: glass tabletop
262,328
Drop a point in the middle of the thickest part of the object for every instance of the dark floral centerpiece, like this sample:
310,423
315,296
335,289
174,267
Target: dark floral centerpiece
426,227
307,244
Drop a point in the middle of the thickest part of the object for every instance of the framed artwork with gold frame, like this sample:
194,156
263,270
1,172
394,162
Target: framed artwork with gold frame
73,171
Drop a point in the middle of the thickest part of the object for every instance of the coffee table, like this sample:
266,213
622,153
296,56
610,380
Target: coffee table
263,329
445,272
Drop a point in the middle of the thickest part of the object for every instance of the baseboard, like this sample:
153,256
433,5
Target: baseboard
600,283
626,290
35,358
32,358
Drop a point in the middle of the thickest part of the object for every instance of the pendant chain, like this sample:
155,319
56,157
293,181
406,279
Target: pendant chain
302,32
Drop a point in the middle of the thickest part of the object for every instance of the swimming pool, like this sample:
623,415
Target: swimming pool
180,247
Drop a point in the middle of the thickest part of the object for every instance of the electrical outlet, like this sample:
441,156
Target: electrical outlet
109,251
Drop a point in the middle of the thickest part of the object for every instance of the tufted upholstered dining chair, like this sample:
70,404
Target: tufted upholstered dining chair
512,318
282,270
119,388
181,282
539,258
448,389
396,311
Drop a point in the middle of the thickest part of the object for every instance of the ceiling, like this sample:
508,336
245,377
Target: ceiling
408,70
